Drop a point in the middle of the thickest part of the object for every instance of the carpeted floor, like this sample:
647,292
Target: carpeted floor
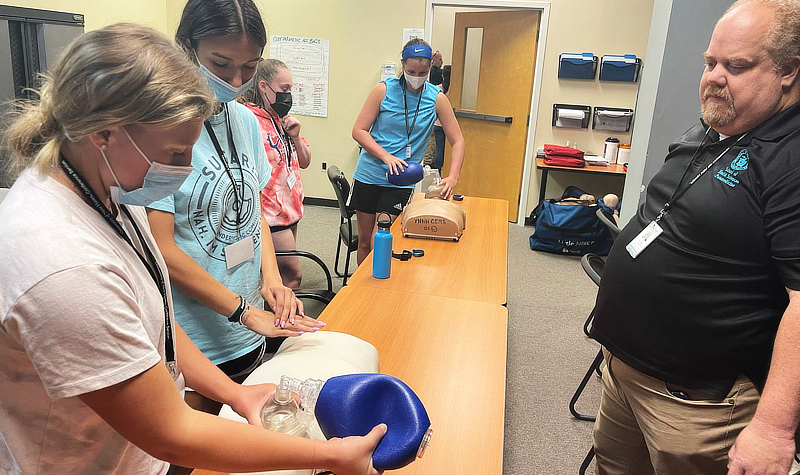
549,297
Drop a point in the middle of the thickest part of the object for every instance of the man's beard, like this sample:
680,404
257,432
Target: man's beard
714,113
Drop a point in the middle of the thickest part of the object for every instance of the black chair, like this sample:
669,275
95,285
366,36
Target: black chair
321,297
348,227
586,461
608,221
593,266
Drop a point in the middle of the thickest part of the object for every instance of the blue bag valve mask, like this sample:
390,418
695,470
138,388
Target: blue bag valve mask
411,175
352,404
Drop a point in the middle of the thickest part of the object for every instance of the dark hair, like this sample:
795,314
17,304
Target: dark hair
446,78
203,19
266,71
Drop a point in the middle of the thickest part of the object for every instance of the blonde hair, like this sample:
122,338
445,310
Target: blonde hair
121,74
267,69
783,37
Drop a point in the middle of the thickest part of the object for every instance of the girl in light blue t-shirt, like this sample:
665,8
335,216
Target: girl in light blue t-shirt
211,232
393,129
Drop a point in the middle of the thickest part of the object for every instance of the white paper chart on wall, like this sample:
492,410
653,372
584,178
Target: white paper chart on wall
307,59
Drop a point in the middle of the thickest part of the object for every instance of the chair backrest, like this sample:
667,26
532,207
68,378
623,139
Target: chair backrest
609,222
593,266
342,189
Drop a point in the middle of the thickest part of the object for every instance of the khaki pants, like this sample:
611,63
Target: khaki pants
643,429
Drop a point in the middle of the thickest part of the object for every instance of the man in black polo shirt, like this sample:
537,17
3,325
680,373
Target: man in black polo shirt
699,309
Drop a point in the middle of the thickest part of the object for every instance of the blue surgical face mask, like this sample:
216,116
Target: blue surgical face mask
223,91
161,181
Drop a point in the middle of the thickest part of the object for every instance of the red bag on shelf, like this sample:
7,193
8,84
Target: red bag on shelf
560,156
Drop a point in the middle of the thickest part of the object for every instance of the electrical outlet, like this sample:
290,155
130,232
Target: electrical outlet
324,165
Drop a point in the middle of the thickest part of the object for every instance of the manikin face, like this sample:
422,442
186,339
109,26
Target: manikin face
741,86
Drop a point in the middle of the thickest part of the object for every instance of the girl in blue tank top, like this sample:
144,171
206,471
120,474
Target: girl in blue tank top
393,129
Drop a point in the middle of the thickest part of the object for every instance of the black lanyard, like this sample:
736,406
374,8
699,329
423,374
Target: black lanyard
679,192
416,112
285,139
154,270
238,203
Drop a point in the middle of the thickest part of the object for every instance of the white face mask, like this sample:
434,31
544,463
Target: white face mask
415,82
161,181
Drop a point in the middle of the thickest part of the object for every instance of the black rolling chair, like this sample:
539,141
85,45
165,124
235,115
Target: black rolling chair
348,227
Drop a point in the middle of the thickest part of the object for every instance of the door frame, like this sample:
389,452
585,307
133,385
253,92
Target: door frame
544,19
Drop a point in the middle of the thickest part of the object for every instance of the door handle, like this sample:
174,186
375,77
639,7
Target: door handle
474,115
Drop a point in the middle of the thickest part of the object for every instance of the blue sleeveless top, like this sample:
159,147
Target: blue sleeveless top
389,130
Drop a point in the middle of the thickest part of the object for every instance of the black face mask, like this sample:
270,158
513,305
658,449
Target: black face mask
283,102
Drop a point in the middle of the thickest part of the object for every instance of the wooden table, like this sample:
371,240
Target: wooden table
474,268
615,169
452,353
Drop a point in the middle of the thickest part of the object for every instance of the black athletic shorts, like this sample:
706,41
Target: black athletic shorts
374,199
275,229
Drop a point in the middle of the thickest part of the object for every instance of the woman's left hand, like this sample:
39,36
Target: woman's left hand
249,400
283,303
291,125
449,183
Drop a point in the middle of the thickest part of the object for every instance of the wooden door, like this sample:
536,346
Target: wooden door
495,150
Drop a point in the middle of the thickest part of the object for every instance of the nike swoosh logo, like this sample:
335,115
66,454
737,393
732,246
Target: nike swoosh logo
417,50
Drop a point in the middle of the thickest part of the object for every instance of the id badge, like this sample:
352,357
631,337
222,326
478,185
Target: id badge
408,152
291,179
240,251
644,239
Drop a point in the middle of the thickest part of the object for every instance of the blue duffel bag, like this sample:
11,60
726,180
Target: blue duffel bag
572,229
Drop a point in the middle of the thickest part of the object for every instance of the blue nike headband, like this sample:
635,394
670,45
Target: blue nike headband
417,51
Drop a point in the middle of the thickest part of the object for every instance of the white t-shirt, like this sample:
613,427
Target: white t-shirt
78,312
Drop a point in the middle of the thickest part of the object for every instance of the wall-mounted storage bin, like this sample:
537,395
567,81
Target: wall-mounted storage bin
577,65
612,118
571,115
620,67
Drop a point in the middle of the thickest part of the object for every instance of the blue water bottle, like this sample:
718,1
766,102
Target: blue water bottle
382,249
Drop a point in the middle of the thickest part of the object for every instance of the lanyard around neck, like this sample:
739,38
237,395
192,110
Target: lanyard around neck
416,112
679,192
238,202
149,263
284,139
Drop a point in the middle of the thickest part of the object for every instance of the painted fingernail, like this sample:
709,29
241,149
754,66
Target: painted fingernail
292,321
322,324
299,333
277,321
283,324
